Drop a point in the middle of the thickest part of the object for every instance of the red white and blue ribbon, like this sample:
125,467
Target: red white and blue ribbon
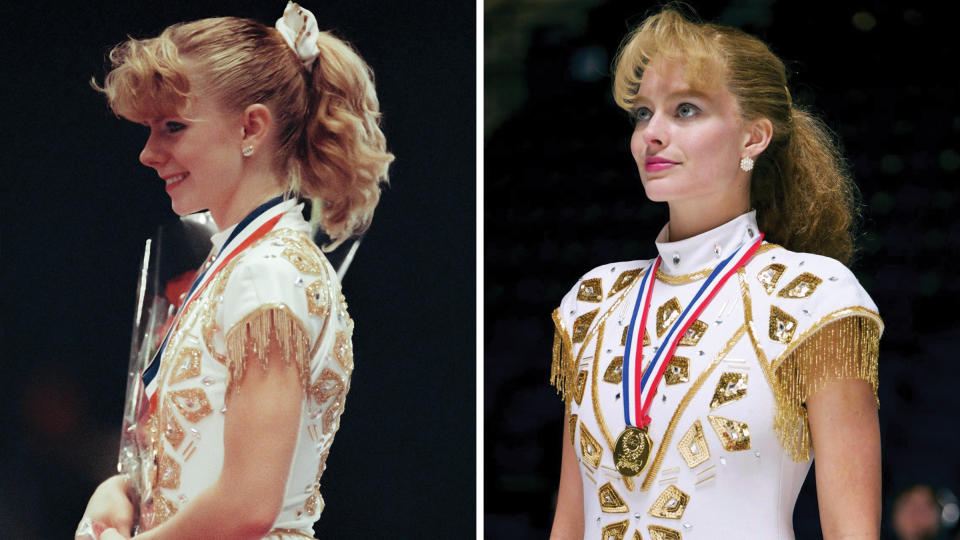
640,387
253,227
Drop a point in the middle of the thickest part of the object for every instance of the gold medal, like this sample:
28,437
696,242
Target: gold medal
632,451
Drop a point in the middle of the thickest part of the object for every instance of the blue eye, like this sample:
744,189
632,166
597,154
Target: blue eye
174,127
642,114
687,110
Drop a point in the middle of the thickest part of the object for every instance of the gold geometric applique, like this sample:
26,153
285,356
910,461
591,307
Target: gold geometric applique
589,448
623,339
769,276
610,501
330,416
168,474
731,387
678,370
314,503
623,281
802,286
693,334
614,372
163,508
782,326
573,428
693,445
328,385
343,351
317,298
171,428
662,533
302,261
187,365
581,386
192,404
615,531
581,325
666,314
591,290
733,435
209,329
670,504
636,535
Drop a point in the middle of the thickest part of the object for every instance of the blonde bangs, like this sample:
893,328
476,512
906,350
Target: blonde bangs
667,36
147,79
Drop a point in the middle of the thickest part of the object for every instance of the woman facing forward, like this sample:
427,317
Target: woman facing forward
699,384
247,393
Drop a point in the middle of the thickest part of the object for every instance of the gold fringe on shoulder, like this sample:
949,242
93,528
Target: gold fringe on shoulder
846,348
563,373
271,325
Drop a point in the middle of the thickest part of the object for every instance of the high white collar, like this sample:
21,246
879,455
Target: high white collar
705,250
219,238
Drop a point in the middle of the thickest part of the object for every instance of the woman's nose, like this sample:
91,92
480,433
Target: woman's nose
151,155
655,132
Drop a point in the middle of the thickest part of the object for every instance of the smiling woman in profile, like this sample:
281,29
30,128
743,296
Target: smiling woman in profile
246,391
699,385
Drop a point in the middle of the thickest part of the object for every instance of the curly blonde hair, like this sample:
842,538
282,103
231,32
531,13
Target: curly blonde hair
330,146
804,195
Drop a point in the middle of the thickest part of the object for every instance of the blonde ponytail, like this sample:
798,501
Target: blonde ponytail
343,156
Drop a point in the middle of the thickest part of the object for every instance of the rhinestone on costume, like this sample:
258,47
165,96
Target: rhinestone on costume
591,290
733,435
670,504
610,501
693,445
678,371
693,334
717,250
615,531
662,533
731,387
667,314
782,326
769,276
676,258
581,386
614,372
623,281
590,449
802,286
581,325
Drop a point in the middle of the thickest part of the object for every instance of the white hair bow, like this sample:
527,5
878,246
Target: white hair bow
299,29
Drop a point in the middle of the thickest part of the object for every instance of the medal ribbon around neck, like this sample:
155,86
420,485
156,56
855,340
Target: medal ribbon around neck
639,388
149,376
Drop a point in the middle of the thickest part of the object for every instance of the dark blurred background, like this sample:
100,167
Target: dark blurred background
562,195
77,207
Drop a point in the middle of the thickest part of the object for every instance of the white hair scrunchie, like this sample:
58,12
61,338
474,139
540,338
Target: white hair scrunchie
299,29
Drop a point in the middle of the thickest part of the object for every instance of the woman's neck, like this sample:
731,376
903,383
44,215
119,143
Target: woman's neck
253,193
690,218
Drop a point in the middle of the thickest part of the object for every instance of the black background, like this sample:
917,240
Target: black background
77,207
562,196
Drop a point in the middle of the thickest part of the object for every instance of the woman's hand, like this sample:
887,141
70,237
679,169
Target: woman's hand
110,508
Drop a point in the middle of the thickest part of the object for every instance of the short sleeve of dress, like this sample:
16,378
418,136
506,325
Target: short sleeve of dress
581,309
825,327
268,302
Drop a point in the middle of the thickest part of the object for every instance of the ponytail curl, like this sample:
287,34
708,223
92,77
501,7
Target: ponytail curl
343,156
805,198
803,193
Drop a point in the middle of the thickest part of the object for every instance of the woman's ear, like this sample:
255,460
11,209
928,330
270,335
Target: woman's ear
757,137
257,124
